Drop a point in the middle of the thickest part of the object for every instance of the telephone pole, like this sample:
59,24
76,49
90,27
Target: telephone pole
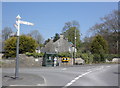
74,55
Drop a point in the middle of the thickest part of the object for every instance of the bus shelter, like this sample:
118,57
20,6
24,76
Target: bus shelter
50,59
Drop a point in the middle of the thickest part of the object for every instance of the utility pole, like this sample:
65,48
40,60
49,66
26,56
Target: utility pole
17,26
117,46
74,55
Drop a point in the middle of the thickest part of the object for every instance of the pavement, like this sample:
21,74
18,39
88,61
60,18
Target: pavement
83,76
24,79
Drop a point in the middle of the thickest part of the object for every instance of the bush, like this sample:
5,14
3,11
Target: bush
99,58
111,56
64,54
99,45
36,55
91,58
26,44
96,58
1,63
87,57
28,54
78,54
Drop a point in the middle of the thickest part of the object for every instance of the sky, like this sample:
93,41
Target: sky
49,17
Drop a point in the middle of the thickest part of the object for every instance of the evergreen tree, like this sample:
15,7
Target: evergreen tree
46,41
27,44
99,47
69,32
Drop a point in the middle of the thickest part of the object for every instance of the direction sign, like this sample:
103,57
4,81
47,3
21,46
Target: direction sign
25,22
16,26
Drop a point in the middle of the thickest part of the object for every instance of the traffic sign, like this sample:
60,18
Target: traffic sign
25,22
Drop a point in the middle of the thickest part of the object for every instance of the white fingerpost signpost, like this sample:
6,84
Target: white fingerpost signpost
17,26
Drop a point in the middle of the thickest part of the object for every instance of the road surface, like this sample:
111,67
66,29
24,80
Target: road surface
81,75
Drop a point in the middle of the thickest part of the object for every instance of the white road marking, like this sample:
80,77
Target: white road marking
89,69
108,66
34,85
38,84
75,79
24,85
29,85
64,68
100,68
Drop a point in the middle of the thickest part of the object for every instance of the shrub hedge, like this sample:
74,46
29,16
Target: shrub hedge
35,55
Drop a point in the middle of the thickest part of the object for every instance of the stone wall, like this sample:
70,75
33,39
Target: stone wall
116,60
24,61
70,63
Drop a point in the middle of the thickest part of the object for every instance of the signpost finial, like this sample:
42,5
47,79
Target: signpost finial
18,17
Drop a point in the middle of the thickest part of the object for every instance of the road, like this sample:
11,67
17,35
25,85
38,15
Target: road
82,75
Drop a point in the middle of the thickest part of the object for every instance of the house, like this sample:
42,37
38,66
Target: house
2,46
61,45
38,50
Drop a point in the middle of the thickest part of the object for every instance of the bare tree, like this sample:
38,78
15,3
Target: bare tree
6,33
70,24
109,29
37,36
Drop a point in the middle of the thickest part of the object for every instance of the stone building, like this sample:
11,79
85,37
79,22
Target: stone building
61,45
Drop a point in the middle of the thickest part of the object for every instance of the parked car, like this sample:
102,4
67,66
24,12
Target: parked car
79,61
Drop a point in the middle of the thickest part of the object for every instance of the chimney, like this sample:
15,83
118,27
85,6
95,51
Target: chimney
66,39
61,36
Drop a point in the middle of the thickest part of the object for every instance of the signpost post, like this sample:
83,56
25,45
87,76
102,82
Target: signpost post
17,26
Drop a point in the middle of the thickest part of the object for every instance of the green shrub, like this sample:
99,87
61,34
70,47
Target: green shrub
99,58
111,56
78,54
96,58
90,58
36,55
26,44
64,54
87,57
1,64
28,54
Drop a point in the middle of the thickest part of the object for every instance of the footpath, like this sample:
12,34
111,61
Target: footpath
24,81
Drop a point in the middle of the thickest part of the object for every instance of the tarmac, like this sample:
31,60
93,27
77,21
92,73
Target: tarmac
25,79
